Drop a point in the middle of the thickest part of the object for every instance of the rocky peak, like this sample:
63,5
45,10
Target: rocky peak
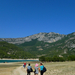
46,37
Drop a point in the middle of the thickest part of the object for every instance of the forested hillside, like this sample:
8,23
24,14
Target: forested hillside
12,51
35,47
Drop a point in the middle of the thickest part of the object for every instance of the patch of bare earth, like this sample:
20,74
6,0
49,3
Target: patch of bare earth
7,68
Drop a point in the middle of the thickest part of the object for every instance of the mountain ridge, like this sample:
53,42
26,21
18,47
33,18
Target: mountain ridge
46,37
62,47
35,48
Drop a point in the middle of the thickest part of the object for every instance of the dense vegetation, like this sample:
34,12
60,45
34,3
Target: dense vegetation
34,47
11,51
57,59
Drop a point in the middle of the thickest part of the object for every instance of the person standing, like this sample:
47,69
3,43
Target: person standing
24,65
41,69
28,69
36,69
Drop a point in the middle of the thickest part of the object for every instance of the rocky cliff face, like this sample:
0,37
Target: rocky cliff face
46,37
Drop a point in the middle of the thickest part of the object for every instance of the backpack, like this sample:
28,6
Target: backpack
44,69
34,70
31,70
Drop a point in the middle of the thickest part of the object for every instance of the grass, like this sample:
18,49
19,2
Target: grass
53,68
59,68
7,68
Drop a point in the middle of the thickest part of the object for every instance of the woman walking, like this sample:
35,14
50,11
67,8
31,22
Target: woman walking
36,69
41,69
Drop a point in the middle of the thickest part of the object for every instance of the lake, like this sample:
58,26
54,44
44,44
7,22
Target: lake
8,61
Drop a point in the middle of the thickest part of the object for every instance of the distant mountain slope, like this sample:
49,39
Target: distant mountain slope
46,37
35,47
62,47
11,51
39,45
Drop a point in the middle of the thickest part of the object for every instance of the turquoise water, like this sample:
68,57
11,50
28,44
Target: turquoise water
8,61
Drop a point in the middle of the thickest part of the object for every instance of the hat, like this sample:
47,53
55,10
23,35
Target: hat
36,65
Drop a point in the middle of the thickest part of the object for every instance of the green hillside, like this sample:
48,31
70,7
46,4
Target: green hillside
11,51
34,47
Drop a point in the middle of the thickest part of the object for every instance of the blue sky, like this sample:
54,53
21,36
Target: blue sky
21,18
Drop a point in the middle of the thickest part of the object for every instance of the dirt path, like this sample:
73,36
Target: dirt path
20,71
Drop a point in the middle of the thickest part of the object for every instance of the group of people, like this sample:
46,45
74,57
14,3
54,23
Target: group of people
36,69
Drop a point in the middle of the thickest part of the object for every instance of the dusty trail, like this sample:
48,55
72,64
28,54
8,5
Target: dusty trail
20,71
